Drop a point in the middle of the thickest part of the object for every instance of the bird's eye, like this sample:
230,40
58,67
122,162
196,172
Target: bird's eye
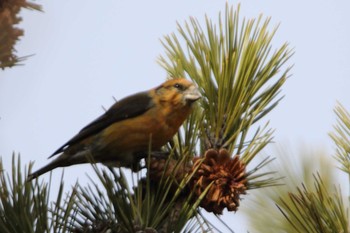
179,86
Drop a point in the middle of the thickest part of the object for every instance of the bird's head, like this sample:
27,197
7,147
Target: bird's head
179,92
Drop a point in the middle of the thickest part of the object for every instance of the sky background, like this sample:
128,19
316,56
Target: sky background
85,52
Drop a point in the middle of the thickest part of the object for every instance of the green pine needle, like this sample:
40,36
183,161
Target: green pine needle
25,206
240,77
317,210
237,73
341,138
144,206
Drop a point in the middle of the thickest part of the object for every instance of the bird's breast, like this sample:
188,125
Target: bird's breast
151,130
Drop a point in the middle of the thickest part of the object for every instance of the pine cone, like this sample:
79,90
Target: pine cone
167,168
223,176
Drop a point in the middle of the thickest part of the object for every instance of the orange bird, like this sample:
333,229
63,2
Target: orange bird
122,136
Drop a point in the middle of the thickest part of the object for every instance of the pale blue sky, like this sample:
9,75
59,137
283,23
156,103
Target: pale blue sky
86,52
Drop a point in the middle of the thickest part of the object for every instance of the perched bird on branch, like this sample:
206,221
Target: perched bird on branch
125,133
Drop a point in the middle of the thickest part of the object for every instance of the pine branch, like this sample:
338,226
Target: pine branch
9,10
25,206
236,72
157,202
341,138
295,168
240,78
316,211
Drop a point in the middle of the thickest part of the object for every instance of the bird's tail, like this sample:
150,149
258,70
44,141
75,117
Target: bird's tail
60,161
41,171
63,160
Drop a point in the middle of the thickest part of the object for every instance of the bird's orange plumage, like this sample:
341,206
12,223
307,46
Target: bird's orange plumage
130,127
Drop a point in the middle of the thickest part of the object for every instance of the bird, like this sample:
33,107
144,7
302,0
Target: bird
130,128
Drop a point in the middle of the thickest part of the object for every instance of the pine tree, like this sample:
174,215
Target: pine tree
208,167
